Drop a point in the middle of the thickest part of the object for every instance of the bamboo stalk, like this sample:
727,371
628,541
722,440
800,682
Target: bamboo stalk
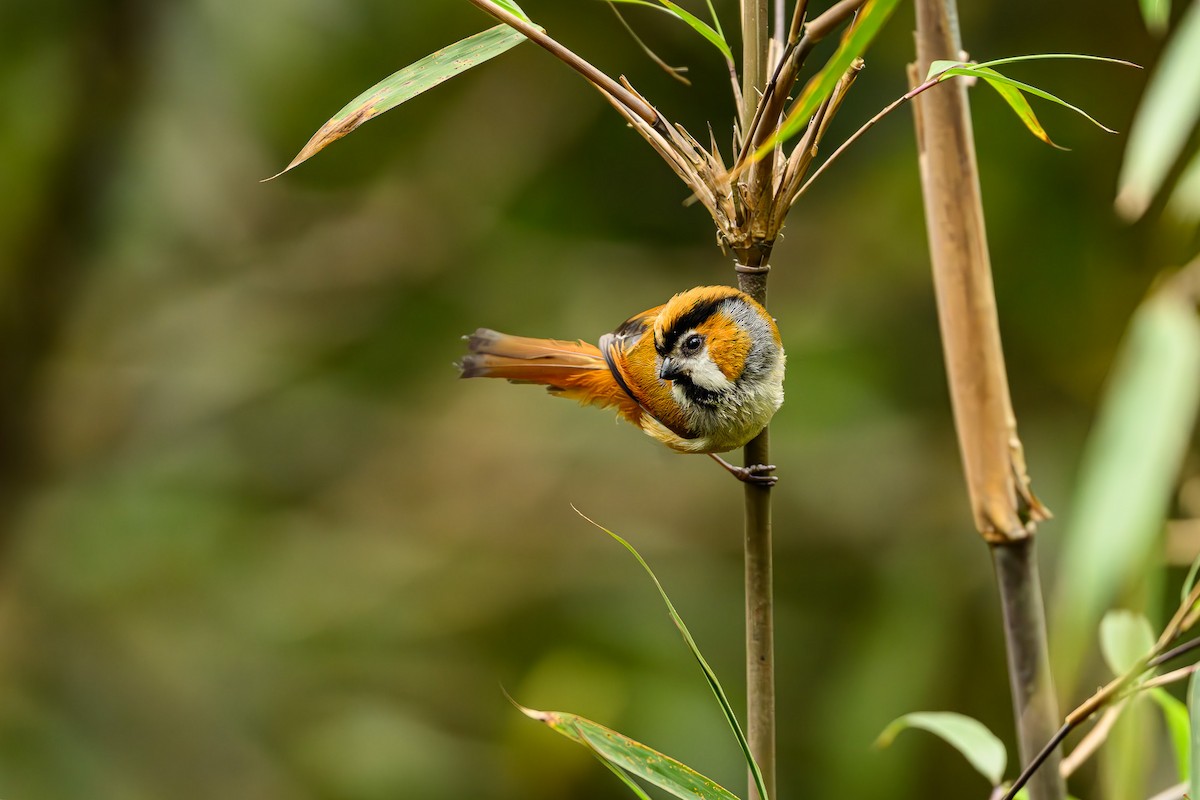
755,44
760,598
1004,507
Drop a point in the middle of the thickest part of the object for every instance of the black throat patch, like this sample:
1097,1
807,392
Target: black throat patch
697,394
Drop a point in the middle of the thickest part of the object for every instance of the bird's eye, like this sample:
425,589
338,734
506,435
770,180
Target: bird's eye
692,343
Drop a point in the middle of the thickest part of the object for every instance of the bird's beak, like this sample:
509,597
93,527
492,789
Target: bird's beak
668,371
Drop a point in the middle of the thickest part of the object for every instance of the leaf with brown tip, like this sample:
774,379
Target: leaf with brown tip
409,82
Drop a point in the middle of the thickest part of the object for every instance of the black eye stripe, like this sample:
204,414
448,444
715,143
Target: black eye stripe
693,317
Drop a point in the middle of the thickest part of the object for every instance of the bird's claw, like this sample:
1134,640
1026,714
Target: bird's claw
757,474
754,474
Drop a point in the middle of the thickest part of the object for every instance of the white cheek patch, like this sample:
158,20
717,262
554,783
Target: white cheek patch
705,374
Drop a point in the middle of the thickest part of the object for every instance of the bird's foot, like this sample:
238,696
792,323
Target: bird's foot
755,474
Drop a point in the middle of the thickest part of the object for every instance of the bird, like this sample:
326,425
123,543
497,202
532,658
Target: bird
701,373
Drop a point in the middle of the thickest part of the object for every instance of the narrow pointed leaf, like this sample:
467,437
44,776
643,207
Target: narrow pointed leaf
1184,203
1125,637
995,62
870,21
1156,13
1165,119
969,736
512,8
1175,714
633,757
1130,466
1194,715
709,675
1020,106
409,82
623,777
990,75
716,20
701,27
712,35
940,66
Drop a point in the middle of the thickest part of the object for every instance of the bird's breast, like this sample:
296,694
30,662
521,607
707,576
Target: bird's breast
641,367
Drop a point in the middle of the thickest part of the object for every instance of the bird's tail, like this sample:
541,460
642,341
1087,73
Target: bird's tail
550,362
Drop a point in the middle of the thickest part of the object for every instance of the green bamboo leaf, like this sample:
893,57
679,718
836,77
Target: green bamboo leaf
716,20
1165,119
1193,703
623,777
409,82
1130,465
1125,637
1175,714
870,21
713,35
512,8
709,675
1156,14
941,66
1020,106
715,38
991,76
995,62
1189,580
1184,203
633,757
969,736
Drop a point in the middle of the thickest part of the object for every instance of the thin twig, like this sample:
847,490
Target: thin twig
798,16
674,72
1174,653
1118,689
591,73
778,33
775,94
1174,676
1090,743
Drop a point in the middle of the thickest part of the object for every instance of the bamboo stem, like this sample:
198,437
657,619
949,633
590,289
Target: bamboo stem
755,44
760,600
1034,703
1004,507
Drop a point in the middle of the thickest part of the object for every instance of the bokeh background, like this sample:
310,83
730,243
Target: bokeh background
258,541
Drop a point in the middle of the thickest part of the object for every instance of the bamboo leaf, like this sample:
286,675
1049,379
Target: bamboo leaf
992,77
709,675
1020,106
1130,466
1184,203
633,757
409,82
1175,714
870,21
1156,14
995,62
1189,580
713,35
1165,119
969,736
1193,703
1124,638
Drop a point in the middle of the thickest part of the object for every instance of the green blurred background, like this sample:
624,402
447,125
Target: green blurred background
257,539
